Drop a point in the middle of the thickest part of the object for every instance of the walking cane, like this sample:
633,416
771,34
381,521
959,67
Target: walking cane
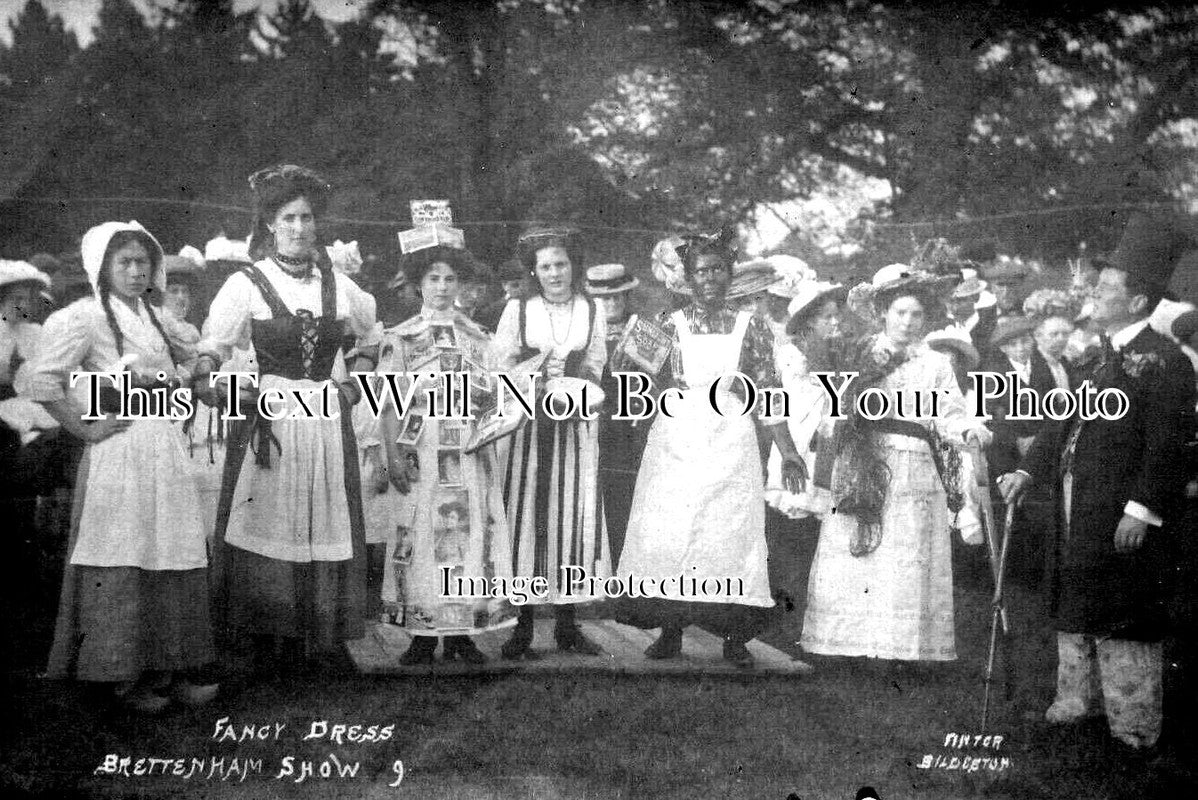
982,479
999,610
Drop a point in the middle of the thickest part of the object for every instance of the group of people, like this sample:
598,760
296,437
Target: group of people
322,523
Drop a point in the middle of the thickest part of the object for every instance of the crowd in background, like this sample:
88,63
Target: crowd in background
167,542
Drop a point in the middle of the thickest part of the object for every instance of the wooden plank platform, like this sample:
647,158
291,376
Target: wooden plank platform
623,652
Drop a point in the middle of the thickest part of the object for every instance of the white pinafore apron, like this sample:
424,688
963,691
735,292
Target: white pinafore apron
697,512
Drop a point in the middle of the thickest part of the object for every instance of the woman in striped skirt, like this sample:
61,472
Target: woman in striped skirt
551,487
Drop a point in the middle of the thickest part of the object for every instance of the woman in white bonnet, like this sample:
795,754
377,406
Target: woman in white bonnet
133,611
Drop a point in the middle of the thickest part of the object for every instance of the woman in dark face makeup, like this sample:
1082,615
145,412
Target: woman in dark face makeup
697,451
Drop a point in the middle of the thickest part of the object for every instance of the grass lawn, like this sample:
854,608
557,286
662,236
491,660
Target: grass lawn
582,736
587,736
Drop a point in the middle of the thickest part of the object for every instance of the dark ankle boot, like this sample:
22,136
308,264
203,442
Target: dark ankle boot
463,647
519,646
668,645
420,651
567,635
736,652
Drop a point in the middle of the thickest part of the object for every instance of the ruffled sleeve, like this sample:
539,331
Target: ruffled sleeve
361,314
757,361
66,340
228,317
505,345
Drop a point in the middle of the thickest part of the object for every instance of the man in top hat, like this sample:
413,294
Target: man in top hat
620,441
1120,484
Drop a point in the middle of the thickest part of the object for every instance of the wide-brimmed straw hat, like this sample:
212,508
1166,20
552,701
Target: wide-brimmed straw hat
810,298
751,277
970,285
604,279
748,278
12,272
954,339
793,274
900,277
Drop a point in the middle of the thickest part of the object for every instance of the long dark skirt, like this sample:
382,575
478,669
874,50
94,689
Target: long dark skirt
321,603
309,601
116,623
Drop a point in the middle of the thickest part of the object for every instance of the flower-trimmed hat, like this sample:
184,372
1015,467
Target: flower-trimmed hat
1008,270
812,295
1044,303
667,264
604,279
898,278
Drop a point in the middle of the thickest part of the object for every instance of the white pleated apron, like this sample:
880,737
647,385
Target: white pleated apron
698,510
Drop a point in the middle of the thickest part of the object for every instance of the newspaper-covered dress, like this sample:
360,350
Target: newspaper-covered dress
451,524
895,602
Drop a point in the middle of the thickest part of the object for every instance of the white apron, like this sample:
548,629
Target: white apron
697,511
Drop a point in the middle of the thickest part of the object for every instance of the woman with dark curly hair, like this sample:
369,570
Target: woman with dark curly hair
290,553
881,585
552,485
451,520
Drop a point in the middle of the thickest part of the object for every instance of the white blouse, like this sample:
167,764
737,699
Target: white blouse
18,339
78,338
239,301
553,331
927,370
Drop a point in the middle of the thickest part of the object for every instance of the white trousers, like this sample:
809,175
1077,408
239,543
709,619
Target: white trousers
1127,675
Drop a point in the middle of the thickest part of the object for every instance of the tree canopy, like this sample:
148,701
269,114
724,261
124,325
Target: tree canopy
1037,126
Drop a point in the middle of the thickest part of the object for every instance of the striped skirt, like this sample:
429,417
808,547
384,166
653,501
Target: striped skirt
554,506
